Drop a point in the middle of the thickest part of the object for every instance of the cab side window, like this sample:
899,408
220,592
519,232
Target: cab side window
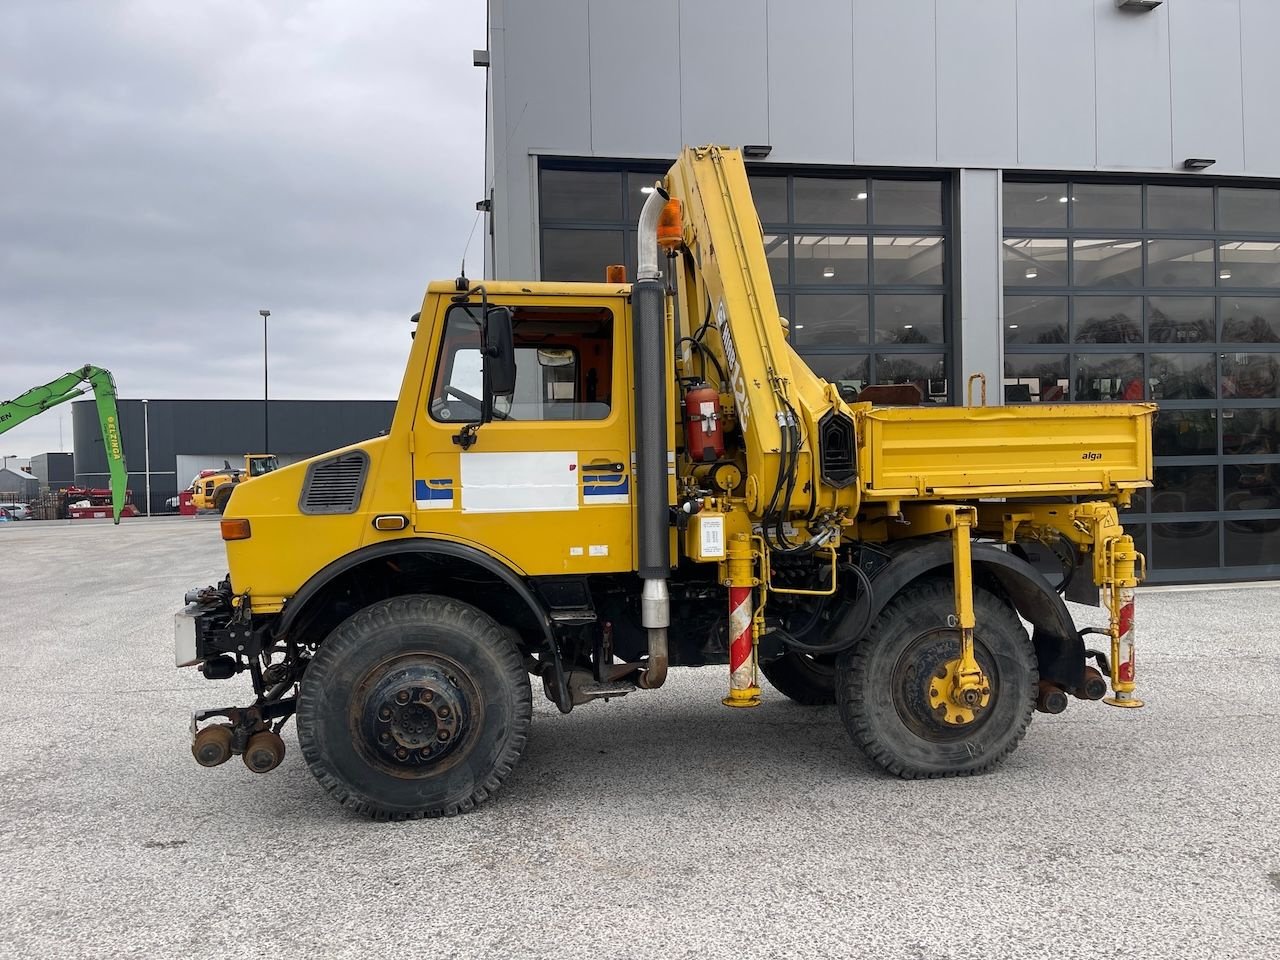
564,366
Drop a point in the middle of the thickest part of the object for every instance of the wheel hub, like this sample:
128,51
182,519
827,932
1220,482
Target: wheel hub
415,715
953,701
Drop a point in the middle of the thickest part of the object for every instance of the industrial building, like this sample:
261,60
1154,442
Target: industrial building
167,442
1080,200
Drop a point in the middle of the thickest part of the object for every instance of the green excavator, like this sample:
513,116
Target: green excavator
67,387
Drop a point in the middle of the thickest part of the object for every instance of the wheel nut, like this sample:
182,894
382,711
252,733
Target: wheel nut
442,736
444,711
384,737
402,696
385,713
424,753
402,753
427,696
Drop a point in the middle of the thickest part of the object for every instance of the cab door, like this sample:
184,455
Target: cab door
547,483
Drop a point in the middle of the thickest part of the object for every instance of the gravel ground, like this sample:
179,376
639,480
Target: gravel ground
662,825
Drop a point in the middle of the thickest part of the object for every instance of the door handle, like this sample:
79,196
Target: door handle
602,468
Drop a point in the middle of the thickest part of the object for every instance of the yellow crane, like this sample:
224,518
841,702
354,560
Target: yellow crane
591,482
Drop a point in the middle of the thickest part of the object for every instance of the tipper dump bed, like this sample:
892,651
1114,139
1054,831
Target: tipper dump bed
1014,451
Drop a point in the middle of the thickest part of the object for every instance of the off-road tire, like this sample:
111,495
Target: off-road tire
806,679
882,684
361,650
221,498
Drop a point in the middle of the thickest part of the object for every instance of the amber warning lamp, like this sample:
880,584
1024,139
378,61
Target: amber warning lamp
615,273
671,226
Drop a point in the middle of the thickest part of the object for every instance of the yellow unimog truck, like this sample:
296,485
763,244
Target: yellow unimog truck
589,483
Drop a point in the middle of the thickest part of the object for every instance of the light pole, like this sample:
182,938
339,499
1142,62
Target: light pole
146,443
266,416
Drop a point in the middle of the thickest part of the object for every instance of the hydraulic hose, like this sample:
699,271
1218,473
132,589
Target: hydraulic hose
849,636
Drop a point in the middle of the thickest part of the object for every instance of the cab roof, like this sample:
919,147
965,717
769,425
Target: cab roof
536,288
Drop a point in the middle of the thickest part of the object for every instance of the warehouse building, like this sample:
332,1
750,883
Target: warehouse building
1079,199
168,442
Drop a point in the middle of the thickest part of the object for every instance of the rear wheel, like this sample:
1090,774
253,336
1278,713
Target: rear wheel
416,706
220,499
806,679
891,685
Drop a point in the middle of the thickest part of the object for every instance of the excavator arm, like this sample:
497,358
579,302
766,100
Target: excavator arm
67,387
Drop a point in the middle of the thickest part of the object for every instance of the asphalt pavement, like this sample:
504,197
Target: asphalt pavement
662,825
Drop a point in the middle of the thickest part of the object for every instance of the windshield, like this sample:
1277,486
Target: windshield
261,465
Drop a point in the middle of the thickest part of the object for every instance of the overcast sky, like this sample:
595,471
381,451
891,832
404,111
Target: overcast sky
169,168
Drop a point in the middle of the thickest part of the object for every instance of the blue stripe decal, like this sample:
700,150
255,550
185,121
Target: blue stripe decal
428,489
616,484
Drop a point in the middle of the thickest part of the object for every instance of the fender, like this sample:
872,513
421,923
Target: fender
435,548
1059,649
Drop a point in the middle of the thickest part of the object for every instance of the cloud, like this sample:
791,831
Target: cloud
172,168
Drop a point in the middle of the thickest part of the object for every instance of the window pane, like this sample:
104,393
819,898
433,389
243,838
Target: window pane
638,187
581,195
831,319
908,202
830,201
1103,206
1182,376
1184,489
908,318
777,248
579,254
1107,263
1250,320
1179,208
1041,377
848,373
1253,542
1180,263
1035,319
1180,319
926,370
1035,262
1249,263
1184,545
1250,431
1108,319
1185,433
908,259
1251,375
1247,208
1036,205
770,196
1104,376
1250,486
831,260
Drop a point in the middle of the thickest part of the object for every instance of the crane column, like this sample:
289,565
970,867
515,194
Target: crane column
744,688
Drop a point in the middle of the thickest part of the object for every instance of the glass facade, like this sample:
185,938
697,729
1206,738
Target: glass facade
859,263
1164,292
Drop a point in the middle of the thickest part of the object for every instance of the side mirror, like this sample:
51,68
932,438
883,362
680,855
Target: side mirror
499,358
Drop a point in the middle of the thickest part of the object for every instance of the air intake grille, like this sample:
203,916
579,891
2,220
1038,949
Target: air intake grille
334,485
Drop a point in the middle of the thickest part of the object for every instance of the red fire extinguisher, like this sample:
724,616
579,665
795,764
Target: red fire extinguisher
703,437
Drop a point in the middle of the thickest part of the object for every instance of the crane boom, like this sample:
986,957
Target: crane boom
67,387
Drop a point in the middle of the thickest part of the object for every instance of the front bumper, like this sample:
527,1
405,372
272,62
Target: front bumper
209,627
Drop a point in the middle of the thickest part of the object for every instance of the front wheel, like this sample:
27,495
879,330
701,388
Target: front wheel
415,706
892,685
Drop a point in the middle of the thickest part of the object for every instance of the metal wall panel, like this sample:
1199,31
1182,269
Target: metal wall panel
894,83
1055,85
811,81
1204,45
1259,28
977,83
724,90
1134,122
981,300
634,110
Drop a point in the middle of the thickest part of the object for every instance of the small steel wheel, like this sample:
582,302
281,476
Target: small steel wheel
415,706
896,687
